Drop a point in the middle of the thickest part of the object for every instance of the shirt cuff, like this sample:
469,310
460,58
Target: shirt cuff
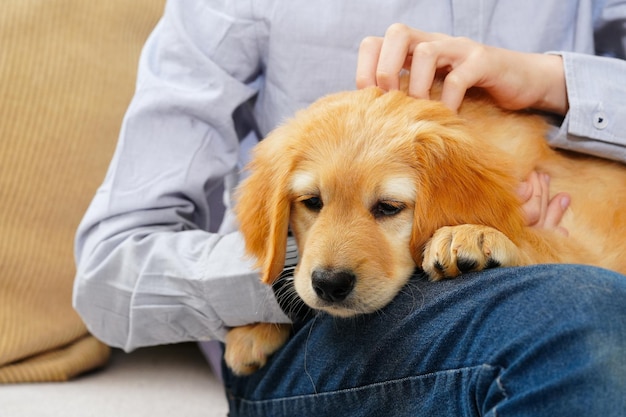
596,101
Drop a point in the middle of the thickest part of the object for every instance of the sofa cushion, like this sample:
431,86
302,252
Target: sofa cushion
67,73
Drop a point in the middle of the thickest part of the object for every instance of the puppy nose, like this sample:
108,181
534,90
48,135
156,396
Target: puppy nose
332,286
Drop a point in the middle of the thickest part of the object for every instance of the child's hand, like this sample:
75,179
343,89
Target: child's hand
515,80
542,211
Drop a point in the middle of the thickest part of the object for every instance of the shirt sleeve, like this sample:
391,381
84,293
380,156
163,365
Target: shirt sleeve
148,269
595,123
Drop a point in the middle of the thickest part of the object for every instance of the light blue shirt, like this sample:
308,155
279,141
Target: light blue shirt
159,257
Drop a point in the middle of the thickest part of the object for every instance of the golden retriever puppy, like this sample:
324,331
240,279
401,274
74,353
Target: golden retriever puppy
375,184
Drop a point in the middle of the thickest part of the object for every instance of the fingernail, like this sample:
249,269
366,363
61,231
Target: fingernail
565,201
546,178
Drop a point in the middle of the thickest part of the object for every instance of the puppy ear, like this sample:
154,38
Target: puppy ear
460,181
263,205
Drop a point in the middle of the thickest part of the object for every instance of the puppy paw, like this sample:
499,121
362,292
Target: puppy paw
454,250
249,347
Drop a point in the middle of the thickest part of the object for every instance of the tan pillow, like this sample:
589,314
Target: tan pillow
67,73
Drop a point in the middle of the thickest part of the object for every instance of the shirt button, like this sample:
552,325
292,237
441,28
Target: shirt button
599,120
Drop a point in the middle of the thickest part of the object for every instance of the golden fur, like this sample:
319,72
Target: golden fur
401,183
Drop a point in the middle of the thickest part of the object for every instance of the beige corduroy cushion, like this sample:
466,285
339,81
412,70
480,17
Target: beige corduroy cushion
67,73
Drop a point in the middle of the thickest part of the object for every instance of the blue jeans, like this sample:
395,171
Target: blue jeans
546,340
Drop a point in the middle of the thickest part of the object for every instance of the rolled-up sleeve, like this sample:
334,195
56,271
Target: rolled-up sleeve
597,102
595,123
151,267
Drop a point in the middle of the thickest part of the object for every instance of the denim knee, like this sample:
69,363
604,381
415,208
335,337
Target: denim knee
571,359
541,340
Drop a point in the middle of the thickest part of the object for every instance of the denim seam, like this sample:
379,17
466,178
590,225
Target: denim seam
500,386
348,390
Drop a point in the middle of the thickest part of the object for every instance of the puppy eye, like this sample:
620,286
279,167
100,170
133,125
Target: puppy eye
313,203
387,209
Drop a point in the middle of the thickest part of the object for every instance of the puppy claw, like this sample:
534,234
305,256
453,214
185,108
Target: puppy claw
455,250
466,264
249,347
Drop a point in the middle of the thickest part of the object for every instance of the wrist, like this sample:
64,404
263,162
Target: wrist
551,73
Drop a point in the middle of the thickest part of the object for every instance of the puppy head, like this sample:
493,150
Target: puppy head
365,178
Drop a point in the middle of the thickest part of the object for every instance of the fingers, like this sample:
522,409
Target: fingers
540,211
515,80
463,62
395,51
424,64
367,63
535,198
555,211
381,61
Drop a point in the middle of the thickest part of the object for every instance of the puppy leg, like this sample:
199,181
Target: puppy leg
249,347
454,250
